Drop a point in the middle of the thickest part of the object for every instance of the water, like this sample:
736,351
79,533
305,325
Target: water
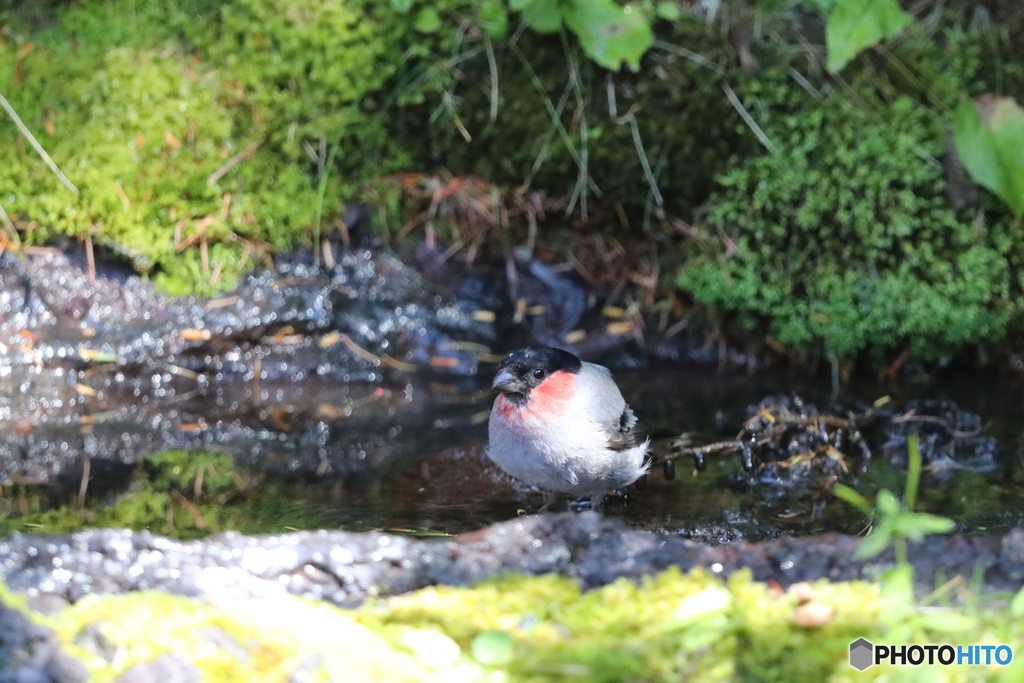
409,459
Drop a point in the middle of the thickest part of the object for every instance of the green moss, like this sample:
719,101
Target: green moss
176,493
670,627
844,238
188,127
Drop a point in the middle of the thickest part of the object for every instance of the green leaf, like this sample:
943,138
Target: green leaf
610,34
857,24
887,503
492,648
913,470
898,590
916,525
520,5
668,10
493,18
543,15
428,20
401,6
989,137
853,498
875,543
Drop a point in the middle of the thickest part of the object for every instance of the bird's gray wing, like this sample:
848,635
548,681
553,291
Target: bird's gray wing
608,409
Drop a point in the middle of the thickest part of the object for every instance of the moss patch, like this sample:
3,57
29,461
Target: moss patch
197,131
843,238
669,627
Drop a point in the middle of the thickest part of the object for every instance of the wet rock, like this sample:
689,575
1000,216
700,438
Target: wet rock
950,438
791,447
30,653
347,568
303,368
101,368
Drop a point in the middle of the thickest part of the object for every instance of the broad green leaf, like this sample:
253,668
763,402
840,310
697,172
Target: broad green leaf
544,16
857,24
989,137
492,648
428,20
401,6
853,498
610,34
494,18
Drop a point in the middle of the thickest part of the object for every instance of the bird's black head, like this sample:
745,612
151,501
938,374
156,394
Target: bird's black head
523,370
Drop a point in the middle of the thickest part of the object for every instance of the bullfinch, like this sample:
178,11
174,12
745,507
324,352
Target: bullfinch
561,424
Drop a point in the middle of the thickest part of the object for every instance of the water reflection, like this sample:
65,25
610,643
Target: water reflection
409,458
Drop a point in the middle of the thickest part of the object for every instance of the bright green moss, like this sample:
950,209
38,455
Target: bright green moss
670,627
844,238
197,125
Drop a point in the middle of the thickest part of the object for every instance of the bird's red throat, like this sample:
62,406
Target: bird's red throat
548,399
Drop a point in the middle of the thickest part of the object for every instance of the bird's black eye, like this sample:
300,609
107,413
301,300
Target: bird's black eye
538,373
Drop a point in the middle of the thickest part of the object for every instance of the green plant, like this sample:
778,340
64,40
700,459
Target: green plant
843,239
611,34
895,523
990,140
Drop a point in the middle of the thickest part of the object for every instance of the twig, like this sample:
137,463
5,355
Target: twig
35,143
493,64
232,162
8,225
748,119
84,485
321,192
692,56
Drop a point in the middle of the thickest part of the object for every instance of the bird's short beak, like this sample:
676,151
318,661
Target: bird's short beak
504,380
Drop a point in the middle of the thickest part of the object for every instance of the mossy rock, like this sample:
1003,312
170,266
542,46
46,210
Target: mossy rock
670,627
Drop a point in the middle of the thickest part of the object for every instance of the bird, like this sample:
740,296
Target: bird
561,424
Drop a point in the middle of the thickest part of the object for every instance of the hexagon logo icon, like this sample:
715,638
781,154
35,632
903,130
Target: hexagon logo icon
861,654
